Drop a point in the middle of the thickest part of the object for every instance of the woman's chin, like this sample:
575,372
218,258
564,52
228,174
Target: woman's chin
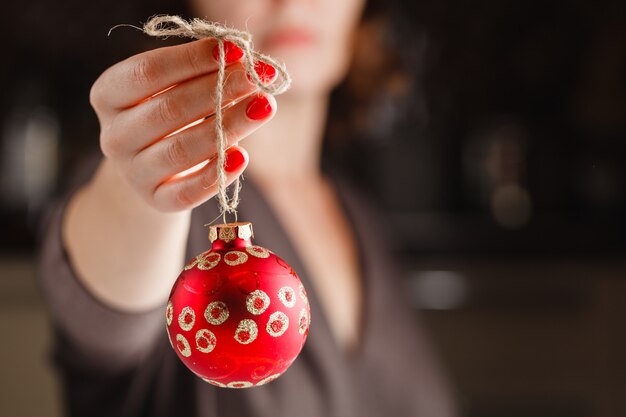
308,77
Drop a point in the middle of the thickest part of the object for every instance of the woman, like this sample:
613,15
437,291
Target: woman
113,250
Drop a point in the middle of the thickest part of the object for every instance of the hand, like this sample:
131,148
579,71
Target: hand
143,101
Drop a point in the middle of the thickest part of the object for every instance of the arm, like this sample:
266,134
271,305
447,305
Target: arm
110,255
125,252
125,231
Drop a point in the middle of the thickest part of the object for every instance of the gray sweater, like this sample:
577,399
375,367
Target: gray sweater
106,372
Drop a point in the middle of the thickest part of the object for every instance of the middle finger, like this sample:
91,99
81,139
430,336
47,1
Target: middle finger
177,107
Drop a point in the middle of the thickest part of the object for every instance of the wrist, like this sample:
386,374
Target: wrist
110,189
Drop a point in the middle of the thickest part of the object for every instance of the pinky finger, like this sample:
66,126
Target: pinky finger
191,190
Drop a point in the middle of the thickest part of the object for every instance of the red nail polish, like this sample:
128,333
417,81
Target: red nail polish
266,72
232,53
234,159
259,108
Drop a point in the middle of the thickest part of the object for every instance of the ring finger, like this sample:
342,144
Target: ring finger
189,191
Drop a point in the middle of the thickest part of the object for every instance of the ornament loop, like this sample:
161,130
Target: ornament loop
231,231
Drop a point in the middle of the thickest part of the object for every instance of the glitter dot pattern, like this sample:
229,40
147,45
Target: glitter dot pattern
287,296
258,251
257,302
205,261
247,331
216,313
277,324
208,261
169,313
235,257
267,380
237,316
216,383
239,384
205,340
186,318
303,322
183,345
302,292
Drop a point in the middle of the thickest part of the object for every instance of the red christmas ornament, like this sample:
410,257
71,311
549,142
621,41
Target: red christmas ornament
238,315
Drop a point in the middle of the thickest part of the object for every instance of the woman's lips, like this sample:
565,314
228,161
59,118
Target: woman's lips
290,38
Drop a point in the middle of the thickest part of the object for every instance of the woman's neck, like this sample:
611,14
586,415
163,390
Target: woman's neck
289,146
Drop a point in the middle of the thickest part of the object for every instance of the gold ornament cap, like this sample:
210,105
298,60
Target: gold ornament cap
231,231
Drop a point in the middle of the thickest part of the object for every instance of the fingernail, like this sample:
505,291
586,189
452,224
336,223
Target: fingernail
259,108
234,159
266,72
232,53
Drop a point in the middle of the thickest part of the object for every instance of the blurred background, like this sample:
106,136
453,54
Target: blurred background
504,181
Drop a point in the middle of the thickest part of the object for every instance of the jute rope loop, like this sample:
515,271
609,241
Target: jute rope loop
164,26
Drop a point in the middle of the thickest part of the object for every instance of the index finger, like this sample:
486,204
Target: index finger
143,75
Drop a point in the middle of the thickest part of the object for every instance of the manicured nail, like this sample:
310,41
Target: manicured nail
259,108
266,72
232,53
234,159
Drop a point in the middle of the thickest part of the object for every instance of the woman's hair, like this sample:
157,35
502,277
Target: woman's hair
67,48
382,80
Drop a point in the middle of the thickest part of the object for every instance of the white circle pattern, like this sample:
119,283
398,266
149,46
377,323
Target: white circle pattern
216,383
239,384
257,302
235,257
258,251
303,323
267,380
216,313
186,318
302,292
205,340
246,332
277,324
169,313
183,345
287,296
208,261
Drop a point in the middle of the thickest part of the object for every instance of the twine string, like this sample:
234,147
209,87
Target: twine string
227,204
163,26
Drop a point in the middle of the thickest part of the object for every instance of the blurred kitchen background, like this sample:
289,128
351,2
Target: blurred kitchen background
504,181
